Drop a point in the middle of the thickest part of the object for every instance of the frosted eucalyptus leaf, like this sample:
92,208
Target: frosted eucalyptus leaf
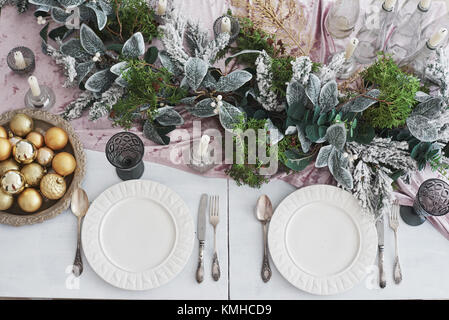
322,159
209,82
419,127
45,3
118,68
167,116
83,69
106,7
167,63
305,143
336,135
229,116
290,130
134,47
195,70
274,135
431,108
328,96
151,132
101,16
361,103
70,3
338,167
59,15
313,88
233,81
188,100
422,96
203,109
74,49
296,100
90,41
296,161
100,81
121,81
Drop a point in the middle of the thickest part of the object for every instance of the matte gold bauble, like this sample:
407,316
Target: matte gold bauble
30,200
33,174
45,156
5,149
9,164
6,201
64,163
36,138
56,138
53,186
21,124
24,152
3,133
12,182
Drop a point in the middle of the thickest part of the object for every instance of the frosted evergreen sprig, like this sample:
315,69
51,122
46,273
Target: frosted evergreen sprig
102,106
302,67
329,72
438,72
214,47
75,109
267,98
68,64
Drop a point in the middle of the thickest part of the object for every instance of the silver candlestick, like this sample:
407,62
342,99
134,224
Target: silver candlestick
45,100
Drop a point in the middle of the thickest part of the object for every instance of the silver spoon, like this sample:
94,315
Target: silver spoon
264,212
79,206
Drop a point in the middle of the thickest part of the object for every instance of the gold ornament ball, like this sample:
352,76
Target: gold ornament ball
21,124
56,138
24,152
36,138
53,186
3,133
12,182
6,201
7,165
64,163
45,156
5,149
30,200
33,174
13,140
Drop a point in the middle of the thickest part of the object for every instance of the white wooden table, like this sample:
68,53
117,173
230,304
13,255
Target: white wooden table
35,261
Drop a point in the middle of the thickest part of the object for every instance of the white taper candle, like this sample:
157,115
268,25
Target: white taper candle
34,86
20,61
161,7
389,4
436,39
351,47
424,4
204,144
226,25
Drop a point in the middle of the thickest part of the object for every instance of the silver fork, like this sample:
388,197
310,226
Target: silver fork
214,219
394,225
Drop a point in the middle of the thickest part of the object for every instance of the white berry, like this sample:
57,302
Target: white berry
213,104
216,110
219,103
219,97
95,59
98,54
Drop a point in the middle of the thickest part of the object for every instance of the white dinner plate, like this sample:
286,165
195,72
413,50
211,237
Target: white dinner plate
320,241
138,235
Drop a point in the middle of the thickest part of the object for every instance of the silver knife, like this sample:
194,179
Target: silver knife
380,245
201,234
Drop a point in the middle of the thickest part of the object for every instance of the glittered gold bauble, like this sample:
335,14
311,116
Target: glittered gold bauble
3,133
21,124
12,182
9,164
24,152
6,201
5,149
13,140
30,200
64,163
56,138
36,138
33,174
53,186
45,156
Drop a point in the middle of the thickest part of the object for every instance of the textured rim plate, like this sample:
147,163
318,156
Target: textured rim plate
138,235
320,241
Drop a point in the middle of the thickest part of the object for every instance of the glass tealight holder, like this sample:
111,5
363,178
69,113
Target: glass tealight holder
200,163
432,200
28,56
235,27
125,152
44,101
342,17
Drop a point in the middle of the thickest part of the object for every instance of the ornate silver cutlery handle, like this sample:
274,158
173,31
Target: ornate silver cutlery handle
200,269
78,263
215,267
382,278
266,270
397,273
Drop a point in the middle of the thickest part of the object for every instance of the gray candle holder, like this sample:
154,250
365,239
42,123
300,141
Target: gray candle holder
44,101
28,56
200,164
235,27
